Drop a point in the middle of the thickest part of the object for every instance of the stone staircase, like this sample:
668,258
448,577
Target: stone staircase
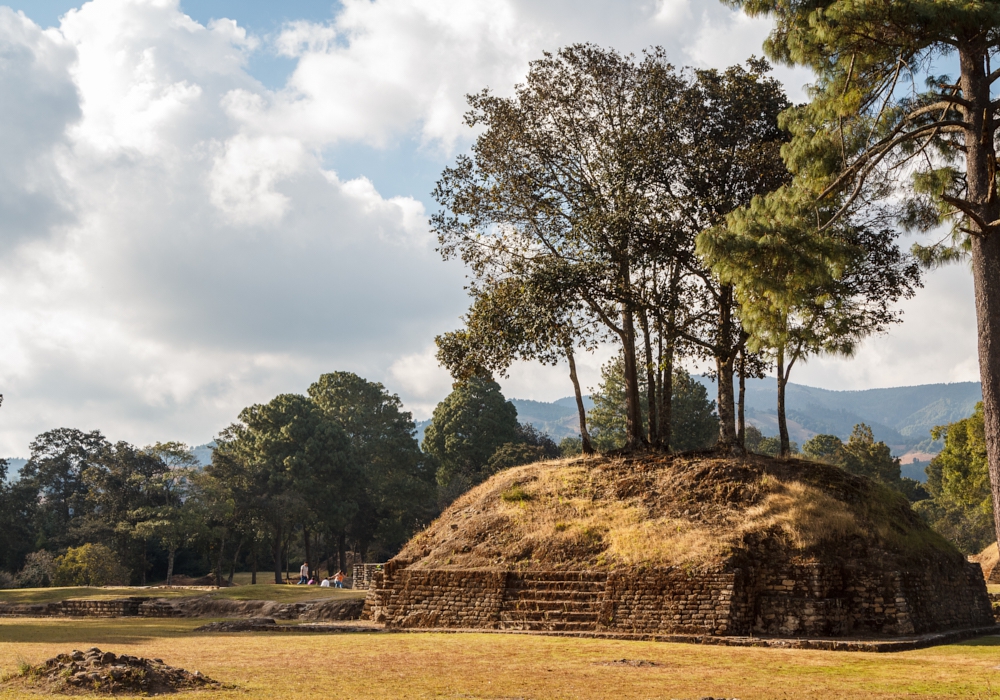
553,601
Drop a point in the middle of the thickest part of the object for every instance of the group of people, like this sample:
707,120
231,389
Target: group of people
310,579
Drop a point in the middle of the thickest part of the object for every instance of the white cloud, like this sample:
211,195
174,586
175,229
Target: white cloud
175,242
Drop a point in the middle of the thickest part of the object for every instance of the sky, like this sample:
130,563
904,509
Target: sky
205,203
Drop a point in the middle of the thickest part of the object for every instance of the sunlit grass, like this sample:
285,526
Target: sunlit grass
442,665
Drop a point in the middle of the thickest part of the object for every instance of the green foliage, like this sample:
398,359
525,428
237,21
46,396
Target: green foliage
514,454
824,448
694,423
285,463
961,505
89,565
515,494
570,446
38,572
55,470
397,491
771,446
466,429
863,456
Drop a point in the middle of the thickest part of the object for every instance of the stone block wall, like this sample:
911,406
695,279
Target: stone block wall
118,607
810,600
362,574
416,598
672,601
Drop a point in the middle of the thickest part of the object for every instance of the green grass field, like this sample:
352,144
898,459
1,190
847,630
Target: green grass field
495,666
279,594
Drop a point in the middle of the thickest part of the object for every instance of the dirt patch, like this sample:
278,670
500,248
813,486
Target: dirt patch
96,671
635,663
254,624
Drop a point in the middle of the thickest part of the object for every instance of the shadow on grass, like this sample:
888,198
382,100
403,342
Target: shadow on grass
90,634
992,640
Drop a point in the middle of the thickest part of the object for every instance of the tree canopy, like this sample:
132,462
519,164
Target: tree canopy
889,135
467,428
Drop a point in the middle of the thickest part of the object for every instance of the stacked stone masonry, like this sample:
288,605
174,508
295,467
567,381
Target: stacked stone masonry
811,600
119,607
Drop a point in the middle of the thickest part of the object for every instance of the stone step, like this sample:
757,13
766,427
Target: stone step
581,586
550,626
577,576
546,616
534,594
565,605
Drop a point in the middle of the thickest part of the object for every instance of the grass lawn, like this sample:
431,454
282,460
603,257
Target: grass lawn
508,666
280,594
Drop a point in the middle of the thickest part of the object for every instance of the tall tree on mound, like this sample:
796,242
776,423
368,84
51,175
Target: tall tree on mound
870,123
512,319
695,424
802,293
466,430
598,174
396,495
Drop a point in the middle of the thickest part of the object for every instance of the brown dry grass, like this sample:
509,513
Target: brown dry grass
987,559
383,666
684,510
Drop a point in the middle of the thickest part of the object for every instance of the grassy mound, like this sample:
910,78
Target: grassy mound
686,510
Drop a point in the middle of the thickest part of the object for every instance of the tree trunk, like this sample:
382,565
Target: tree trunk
980,176
667,399
650,378
342,551
634,433
588,449
232,567
741,432
782,421
170,565
276,548
253,564
305,544
724,360
218,562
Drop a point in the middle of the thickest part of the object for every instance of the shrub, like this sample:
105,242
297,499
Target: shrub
89,565
38,572
7,580
515,494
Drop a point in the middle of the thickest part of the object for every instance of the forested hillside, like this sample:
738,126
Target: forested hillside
902,417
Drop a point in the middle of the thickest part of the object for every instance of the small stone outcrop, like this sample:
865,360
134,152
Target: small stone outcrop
102,672
701,545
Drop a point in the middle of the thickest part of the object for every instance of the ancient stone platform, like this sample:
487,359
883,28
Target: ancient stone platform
804,600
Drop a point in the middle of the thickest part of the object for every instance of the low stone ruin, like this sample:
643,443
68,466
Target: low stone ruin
701,546
96,671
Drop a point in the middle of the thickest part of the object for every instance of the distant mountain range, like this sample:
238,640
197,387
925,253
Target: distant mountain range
902,417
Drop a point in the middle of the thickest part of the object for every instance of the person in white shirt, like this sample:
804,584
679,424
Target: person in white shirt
304,572
325,583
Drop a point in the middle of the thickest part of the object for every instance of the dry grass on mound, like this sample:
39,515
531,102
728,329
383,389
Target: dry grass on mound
685,510
988,560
